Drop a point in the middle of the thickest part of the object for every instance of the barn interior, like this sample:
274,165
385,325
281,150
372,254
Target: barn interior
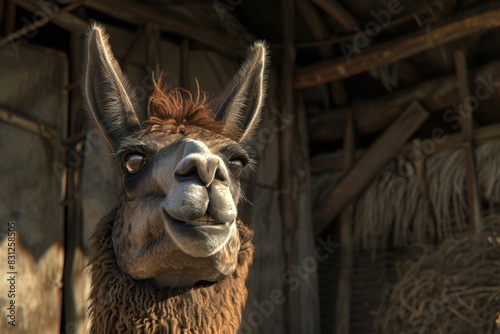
376,200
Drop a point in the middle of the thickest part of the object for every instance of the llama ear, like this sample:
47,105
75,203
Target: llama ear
106,91
241,102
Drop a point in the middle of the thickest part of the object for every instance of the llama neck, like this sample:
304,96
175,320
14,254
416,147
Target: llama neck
120,304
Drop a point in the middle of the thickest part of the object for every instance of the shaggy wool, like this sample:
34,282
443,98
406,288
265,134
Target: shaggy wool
120,304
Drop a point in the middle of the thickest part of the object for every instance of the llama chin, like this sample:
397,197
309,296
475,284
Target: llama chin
205,307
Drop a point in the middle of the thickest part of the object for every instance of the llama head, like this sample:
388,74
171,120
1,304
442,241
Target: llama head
181,161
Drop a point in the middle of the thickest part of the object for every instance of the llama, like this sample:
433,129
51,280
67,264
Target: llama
172,256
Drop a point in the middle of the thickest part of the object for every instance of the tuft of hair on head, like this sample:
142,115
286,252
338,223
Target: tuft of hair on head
175,110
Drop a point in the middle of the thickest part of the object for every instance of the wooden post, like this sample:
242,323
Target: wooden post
369,165
465,114
74,302
346,244
286,177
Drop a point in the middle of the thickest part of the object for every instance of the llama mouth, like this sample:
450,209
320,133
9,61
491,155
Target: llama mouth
204,221
200,238
204,227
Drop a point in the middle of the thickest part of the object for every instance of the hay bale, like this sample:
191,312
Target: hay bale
454,288
394,213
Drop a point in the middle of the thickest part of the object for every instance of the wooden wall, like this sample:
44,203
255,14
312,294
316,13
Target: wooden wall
33,96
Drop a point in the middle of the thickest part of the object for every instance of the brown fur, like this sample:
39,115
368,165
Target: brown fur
120,304
176,110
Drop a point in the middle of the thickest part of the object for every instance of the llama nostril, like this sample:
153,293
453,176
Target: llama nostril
201,167
220,175
186,173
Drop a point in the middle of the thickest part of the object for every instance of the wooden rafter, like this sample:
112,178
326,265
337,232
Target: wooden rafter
61,18
54,16
398,49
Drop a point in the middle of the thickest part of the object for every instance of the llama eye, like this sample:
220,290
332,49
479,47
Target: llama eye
235,166
134,163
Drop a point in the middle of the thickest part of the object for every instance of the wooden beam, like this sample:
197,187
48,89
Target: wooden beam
380,153
172,22
338,13
398,49
25,30
320,32
59,17
11,117
377,114
489,133
466,128
346,241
